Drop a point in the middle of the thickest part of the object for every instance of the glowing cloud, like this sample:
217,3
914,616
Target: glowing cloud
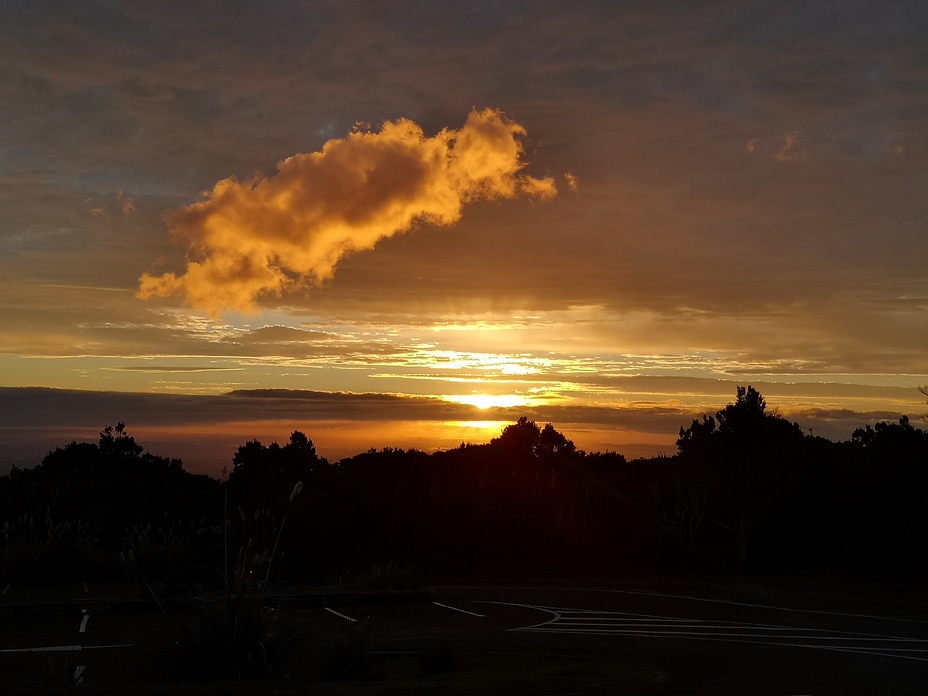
794,149
268,234
127,204
485,401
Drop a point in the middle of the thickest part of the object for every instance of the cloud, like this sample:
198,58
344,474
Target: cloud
793,149
126,203
206,429
266,235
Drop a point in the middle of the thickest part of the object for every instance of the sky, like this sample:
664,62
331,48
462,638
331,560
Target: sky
407,224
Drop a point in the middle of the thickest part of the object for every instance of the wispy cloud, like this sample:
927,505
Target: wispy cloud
126,203
265,235
793,149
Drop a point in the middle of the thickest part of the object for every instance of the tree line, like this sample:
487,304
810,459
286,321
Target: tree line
746,489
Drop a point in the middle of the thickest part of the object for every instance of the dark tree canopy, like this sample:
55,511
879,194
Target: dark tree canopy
525,438
265,475
113,485
115,441
746,489
733,470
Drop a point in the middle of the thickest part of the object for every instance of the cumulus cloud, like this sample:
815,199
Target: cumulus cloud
268,234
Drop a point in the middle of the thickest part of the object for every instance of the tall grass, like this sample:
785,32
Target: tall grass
231,632
45,550
169,556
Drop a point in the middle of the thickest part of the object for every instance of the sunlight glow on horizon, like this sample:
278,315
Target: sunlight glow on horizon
486,401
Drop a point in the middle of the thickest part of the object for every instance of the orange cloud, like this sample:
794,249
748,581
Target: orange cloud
126,203
265,235
793,149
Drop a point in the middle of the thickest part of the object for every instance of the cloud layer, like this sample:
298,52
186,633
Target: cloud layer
205,430
266,235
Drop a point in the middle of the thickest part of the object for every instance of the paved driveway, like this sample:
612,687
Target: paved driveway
676,637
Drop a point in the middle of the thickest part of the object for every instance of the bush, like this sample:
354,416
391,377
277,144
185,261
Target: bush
231,633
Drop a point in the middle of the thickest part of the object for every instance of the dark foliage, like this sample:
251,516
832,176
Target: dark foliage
115,493
746,488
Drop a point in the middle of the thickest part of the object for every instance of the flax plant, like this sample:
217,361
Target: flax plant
231,632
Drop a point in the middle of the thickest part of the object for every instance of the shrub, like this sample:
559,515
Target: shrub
231,633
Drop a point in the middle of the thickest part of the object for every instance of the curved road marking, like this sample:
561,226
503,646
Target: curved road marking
767,606
583,622
650,593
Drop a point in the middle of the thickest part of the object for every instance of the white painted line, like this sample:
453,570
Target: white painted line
50,648
852,650
599,631
603,623
69,648
831,648
79,674
5,588
765,606
650,593
626,618
463,611
332,611
557,616
83,628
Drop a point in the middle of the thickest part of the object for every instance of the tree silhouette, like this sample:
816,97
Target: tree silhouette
744,488
264,476
733,469
115,441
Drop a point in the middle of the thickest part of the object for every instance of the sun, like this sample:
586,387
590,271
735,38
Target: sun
486,401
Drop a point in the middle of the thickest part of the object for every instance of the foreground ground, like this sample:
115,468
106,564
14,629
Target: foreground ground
671,635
